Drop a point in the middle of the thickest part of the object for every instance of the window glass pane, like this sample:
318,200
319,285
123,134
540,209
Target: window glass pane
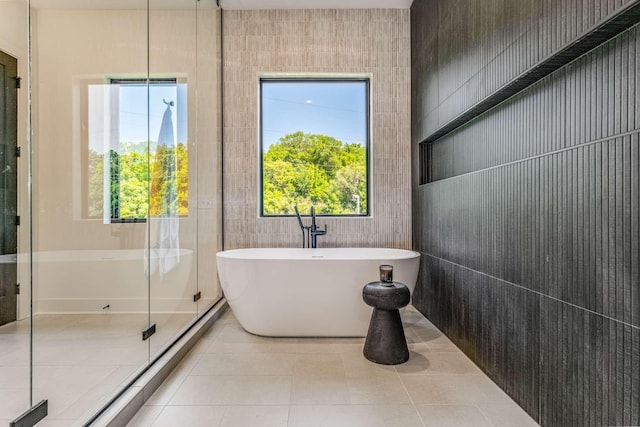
314,146
132,174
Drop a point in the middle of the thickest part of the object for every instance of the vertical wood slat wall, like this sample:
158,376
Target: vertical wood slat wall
530,232
375,41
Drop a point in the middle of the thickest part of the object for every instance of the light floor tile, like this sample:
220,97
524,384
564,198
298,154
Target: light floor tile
65,352
233,390
452,416
59,402
97,395
15,354
330,340
13,402
145,416
442,346
322,364
438,363
433,339
252,347
418,347
412,338
18,328
79,359
228,317
201,347
168,388
484,391
214,330
65,378
106,353
410,316
233,333
14,377
328,382
314,347
356,365
380,388
263,416
245,364
320,390
233,378
507,415
165,392
354,416
192,416
453,389
425,331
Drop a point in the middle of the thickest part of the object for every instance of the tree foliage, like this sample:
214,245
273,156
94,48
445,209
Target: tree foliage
141,183
310,169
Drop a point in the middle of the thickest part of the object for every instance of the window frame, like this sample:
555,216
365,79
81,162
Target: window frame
317,79
137,81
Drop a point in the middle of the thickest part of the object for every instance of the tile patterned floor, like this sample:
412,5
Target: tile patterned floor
235,379
78,360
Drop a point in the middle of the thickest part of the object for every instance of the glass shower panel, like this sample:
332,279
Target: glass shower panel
122,183
172,231
209,148
90,201
15,374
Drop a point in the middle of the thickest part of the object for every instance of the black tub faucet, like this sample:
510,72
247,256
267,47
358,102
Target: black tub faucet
311,232
304,228
315,231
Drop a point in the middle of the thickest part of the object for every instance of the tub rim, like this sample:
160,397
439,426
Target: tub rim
332,254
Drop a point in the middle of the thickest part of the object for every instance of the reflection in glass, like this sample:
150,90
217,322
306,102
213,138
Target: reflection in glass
115,193
125,199
15,374
126,170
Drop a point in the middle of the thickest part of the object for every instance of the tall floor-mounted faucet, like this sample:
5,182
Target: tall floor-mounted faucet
311,232
305,229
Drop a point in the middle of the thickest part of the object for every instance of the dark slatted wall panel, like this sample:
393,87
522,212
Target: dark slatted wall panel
530,232
472,49
579,104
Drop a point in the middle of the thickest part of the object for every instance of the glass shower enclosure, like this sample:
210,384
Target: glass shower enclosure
110,186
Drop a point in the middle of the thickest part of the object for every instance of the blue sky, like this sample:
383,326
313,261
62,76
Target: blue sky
335,109
133,111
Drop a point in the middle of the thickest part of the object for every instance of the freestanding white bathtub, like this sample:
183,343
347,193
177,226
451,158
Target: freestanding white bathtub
291,292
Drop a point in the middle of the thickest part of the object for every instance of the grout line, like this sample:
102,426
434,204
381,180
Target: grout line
341,357
154,418
411,399
404,387
479,408
188,374
537,292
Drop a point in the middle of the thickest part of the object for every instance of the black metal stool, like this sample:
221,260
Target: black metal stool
386,343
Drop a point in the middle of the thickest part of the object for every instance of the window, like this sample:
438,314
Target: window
137,167
314,146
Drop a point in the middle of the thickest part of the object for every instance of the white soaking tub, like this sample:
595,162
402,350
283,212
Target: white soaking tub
291,292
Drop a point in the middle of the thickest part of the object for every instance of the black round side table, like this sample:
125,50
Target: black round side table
385,342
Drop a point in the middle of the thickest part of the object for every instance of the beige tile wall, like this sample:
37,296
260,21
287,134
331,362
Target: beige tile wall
371,41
